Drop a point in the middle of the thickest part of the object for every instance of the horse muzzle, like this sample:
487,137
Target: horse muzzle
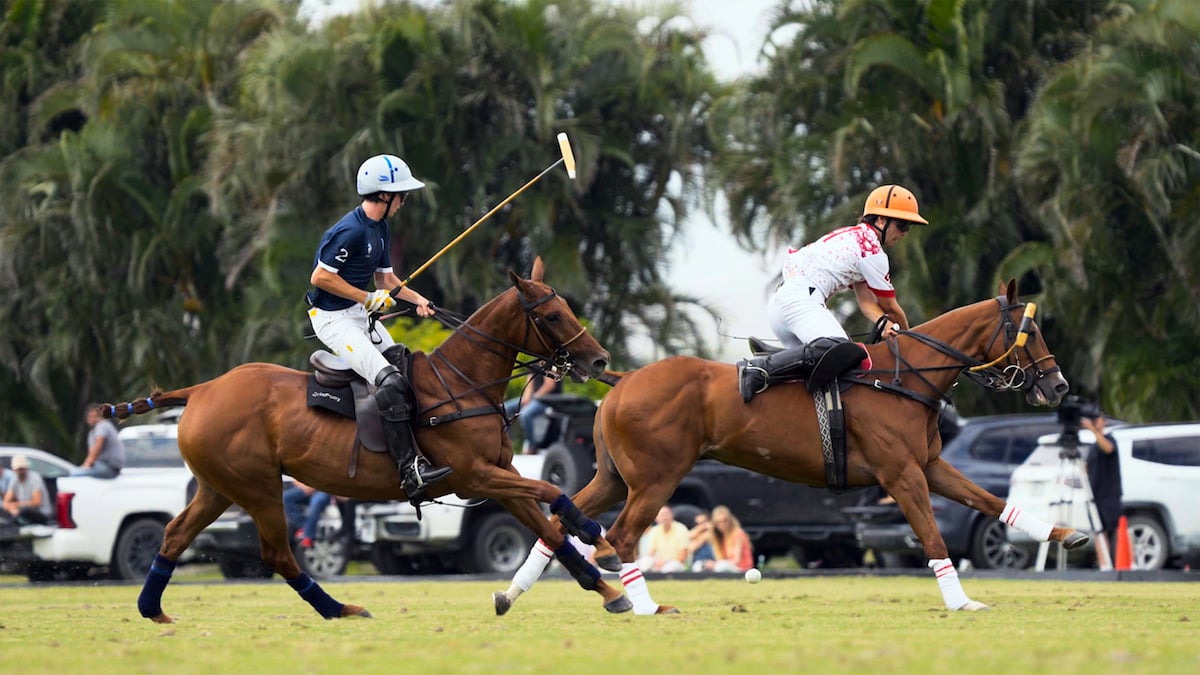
1048,390
587,367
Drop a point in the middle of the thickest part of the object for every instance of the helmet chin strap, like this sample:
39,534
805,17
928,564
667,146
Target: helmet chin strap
887,222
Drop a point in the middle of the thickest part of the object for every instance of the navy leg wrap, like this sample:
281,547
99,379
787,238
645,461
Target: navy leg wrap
150,599
316,596
583,571
573,519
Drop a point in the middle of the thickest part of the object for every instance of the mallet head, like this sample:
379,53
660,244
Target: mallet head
568,157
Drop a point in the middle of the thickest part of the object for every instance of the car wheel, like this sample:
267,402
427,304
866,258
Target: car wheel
326,558
136,546
233,567
500,544
560,470
991,550
1149,542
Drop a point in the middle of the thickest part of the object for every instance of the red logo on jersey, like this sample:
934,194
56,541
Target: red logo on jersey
867,244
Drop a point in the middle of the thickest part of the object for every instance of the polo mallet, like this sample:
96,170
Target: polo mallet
568,159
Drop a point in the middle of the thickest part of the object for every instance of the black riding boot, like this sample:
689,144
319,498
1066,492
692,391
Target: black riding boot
819,361
755,374
416,474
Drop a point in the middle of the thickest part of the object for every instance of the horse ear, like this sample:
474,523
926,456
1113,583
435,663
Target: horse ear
516,280
1011,291
538,270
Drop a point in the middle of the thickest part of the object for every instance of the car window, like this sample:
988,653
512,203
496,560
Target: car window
1009,444
151,452
46,469
991,445
1024,440
1182,451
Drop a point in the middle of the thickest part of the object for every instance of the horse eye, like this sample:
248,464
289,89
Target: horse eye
554,317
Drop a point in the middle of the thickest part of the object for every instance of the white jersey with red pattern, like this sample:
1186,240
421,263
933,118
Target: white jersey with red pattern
839,260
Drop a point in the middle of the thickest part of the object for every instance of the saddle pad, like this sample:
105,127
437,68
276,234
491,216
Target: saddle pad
337,399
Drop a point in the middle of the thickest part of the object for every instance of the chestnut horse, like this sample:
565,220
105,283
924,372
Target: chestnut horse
659,420
246,428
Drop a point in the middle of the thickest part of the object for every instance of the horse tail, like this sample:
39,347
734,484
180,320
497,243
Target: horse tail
612,377
158,399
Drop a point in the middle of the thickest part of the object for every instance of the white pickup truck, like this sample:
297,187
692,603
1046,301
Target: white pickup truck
117,523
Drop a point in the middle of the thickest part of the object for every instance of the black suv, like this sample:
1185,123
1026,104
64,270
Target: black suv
986,450
781,518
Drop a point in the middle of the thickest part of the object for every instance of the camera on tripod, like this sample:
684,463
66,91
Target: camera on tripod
1072,411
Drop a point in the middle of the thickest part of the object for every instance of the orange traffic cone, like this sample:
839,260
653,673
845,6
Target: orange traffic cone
1124,547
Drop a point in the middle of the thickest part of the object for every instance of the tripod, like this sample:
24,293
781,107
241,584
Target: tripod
1072,476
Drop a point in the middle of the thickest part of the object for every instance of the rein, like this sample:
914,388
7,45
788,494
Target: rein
558,357
1013,376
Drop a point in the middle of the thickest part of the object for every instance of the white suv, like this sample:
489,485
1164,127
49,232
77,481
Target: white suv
1160,482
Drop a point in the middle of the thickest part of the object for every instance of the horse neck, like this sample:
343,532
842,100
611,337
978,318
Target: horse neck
485,348
965,329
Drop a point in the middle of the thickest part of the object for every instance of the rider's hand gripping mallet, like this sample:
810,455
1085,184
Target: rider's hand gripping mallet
568,159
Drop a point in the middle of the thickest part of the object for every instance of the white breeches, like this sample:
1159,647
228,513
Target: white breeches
345,332
797,318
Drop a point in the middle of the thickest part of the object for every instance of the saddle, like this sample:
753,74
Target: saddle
823,383
334,386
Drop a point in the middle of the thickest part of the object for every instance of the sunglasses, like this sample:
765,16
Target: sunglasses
903,225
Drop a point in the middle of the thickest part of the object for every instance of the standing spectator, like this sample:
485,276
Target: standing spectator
532,405
700,543
26,500
731,544
105,454
1104,473
667,544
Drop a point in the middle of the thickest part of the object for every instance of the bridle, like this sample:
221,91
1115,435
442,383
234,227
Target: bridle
1004,373
552,360
1013,376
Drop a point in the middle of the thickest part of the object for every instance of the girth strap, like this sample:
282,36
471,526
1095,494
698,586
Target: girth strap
831,421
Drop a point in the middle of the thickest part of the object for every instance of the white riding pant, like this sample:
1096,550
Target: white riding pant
346,333
798,317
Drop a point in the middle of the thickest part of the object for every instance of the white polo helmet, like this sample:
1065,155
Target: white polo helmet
386,173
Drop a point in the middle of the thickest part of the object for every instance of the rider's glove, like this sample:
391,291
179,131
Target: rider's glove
379,301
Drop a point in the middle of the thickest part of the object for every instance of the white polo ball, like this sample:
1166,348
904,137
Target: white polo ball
753,576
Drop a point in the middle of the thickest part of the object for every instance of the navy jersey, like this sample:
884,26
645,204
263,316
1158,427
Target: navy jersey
354,249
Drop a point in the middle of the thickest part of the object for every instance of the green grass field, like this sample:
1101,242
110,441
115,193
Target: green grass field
812,624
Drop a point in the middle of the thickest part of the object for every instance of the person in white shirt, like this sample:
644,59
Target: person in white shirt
847,258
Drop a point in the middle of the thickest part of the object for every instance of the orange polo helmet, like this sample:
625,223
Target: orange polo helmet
893,201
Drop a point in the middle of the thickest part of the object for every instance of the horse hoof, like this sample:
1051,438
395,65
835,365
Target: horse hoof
618,605
973,606
610,563
162,618
1075,540
502,603
355,610
667,609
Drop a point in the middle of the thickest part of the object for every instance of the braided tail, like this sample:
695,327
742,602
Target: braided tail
158,399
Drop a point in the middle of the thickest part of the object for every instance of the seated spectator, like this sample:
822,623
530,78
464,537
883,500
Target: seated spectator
700,543
666,544
303,506
731,544
105,453
533,408
26,499
7,476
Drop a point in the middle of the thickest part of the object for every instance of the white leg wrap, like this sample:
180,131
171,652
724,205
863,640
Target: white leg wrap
531,570
947,579
635,587
1016,518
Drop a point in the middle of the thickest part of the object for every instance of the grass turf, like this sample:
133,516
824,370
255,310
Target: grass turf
816,624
